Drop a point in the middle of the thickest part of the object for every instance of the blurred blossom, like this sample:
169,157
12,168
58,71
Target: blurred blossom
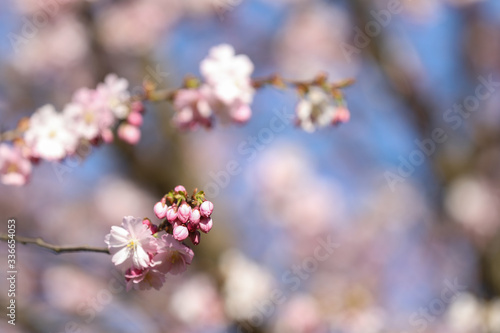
197,303
245,284
46,6
465,315
369,320
88,115
67,288
49,136
114,91
15,169
286,2
472,203
198,7
463,2
494,316
119,35
421,11
126,196
193,108
56,47
317,109
311,40
389,209
292,194
228,82
301,314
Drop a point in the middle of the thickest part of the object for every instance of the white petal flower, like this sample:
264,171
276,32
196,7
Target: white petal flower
316,109
88,115
227,78
114,90
48,135
15,169
131,243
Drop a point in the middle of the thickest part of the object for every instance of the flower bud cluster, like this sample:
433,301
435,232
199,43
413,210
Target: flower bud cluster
185,216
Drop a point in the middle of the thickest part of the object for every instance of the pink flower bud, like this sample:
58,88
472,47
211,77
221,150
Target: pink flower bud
191,226
195,237
129,133
341,116
195,216
206,224
180,232
134,118
151,226
184,213
241,113
180,188
160,209
171,214
206,208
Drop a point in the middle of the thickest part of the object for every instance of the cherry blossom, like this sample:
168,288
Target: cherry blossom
173,256
49,136
15,169
228,80
146,252
114,90
317,109
144,279
88,115
131,243
193,108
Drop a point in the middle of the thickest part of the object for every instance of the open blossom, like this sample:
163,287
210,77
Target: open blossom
146,252
88,115
15,169
193,108
318,109
227,78
144,279
48,135
173,256
114,91
131,243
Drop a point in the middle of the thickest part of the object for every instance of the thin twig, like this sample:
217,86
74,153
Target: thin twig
54,248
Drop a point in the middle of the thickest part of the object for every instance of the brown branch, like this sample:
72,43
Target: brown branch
54,248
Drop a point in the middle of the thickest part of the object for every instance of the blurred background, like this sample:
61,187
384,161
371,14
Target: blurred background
389,223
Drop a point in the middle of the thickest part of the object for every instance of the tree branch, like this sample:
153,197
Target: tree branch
54,248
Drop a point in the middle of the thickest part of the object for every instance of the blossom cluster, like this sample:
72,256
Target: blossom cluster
90,117
226,91
318,108
147,252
